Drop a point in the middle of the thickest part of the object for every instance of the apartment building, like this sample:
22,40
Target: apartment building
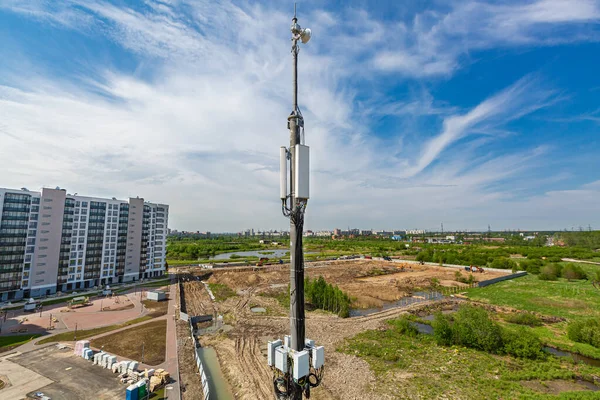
53,241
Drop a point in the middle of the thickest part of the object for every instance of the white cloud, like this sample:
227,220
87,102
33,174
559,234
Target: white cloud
202,133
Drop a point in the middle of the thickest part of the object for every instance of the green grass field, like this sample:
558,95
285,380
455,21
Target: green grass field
571,300
10,342
416,367
83,334
222,292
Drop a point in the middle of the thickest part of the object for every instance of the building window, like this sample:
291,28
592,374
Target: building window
84,204
81,233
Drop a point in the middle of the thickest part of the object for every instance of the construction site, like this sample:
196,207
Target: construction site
255,313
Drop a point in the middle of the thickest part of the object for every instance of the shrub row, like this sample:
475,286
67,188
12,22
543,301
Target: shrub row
552,272
472,327
585,332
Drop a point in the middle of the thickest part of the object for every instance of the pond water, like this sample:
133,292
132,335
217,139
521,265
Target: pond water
423,328
216,381
417,297
577,357
255,253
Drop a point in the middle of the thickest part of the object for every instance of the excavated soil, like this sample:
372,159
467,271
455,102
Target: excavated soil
242,348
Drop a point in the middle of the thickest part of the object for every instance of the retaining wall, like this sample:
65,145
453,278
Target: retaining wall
203,377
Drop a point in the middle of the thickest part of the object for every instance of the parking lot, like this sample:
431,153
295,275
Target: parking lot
67,377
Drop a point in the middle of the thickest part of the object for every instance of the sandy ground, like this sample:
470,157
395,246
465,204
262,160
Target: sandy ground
242,349
369,282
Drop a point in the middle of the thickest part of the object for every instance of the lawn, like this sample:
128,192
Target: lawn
222,292
10,342
571,300
83,334
148,338
416,367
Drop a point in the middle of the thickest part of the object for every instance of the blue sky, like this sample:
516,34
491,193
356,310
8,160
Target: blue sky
463,112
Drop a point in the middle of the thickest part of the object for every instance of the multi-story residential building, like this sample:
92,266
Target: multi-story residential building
53,241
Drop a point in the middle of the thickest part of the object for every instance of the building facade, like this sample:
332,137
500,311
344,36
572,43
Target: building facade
53,241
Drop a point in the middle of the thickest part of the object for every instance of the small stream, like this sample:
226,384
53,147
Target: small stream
216,381
417,297
577,357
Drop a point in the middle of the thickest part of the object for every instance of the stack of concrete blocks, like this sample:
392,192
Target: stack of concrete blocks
110,361
88,354
133,365
149,373
80,346
98,358
104,361
123,367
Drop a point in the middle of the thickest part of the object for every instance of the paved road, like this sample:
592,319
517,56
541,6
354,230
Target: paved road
171,361
580,261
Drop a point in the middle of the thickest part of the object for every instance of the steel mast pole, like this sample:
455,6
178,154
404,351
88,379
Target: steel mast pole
297,328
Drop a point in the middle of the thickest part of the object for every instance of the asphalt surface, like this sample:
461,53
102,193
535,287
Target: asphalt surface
73,377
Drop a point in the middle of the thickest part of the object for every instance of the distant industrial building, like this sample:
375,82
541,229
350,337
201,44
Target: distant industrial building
53,241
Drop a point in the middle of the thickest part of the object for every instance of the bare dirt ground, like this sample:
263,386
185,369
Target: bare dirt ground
242,349
370,283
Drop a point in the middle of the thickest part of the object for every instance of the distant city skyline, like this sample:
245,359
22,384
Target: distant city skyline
476,113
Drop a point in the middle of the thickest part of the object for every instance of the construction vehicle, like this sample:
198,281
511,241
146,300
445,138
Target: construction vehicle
262,261
474,268
159,379
79,302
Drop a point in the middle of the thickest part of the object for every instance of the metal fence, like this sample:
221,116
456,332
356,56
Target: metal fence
205,388
502,278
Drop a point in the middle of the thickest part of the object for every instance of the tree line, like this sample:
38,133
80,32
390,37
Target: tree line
326,296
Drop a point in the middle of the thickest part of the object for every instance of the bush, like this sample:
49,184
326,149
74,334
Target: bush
472,327
503,263
550,272
572,271
327,297
442,331
585,332
522,343
531,266
404,326
525,318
